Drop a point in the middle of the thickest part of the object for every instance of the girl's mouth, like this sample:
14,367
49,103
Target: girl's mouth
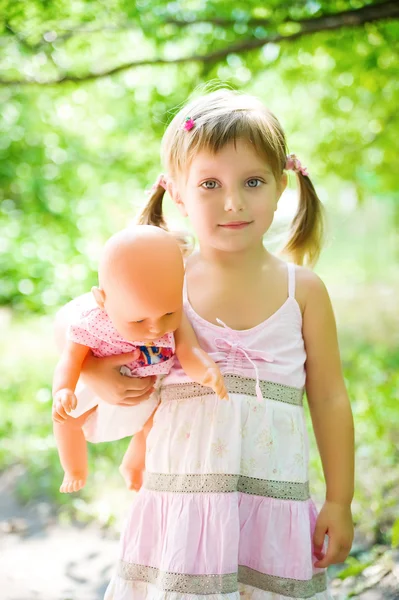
236,224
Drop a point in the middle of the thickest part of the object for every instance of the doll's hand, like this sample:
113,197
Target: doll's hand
335,520
214,379
103,376
64,401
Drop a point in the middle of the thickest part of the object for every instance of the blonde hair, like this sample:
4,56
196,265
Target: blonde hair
223,117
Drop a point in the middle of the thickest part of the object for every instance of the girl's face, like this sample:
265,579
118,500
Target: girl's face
230,197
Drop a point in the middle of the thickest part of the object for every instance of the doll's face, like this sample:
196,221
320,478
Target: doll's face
147,316
141,283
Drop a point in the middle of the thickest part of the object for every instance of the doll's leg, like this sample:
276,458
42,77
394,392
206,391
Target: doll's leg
72,450
133,463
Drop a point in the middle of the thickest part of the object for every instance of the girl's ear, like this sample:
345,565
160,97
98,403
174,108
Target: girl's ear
175,195
281,185
99,296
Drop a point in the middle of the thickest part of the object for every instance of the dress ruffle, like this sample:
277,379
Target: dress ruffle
211,534
138,590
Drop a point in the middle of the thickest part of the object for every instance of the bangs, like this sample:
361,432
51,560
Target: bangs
213,132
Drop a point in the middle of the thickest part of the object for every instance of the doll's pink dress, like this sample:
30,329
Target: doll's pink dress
92,327
225,510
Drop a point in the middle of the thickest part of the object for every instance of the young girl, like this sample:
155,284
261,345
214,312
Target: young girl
225,505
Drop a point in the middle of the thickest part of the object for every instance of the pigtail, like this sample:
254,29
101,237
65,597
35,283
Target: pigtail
152,214
307,228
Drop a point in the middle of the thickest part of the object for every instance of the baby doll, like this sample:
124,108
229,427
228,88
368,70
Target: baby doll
137,308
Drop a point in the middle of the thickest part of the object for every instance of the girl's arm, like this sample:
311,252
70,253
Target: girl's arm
195,362
331,416
66,375
102,375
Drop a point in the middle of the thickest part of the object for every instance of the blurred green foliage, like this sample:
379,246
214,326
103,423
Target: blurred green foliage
79,147
77,155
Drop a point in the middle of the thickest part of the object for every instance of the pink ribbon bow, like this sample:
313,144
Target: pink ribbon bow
294,164
160,182
227,345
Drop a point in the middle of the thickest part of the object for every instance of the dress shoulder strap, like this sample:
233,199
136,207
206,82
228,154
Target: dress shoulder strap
291,280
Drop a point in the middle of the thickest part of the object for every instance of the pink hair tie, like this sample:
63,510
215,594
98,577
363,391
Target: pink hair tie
189,123
160,182
293,163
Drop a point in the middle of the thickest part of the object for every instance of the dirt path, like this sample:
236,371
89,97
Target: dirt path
43,560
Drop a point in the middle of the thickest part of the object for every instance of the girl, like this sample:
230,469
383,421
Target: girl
225,505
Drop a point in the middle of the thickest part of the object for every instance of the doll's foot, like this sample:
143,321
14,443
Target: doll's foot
133,477
72,483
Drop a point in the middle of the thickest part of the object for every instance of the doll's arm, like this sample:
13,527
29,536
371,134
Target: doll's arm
195,362
65,378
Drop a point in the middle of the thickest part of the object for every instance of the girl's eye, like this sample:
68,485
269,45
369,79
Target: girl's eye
209,185
169,314
142,321
254,183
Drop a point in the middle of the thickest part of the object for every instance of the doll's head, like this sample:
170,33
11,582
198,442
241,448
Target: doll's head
141,277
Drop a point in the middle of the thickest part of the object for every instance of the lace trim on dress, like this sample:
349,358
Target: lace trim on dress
222,584
284,490
178,582
216,483
235,385
294,588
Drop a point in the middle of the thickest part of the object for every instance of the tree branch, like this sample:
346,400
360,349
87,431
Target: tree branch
352,18
18,36
63,35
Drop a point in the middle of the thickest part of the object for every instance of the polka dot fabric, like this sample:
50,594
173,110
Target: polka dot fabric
93,328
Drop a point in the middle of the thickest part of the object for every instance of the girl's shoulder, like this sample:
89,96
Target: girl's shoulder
304,279
310,289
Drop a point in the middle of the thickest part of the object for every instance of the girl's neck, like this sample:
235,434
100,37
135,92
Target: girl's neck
250,260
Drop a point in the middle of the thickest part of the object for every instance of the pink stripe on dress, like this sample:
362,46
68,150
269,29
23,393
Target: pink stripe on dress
273,536
205,540
285,550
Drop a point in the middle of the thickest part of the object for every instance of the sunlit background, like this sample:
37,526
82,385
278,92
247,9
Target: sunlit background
80,131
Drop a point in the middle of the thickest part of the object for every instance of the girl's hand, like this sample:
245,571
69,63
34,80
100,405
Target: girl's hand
335,520
64,401
214,379
103,377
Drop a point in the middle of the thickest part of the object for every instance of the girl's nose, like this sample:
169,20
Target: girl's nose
234,201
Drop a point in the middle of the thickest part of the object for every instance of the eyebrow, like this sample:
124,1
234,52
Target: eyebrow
254,171
262,170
